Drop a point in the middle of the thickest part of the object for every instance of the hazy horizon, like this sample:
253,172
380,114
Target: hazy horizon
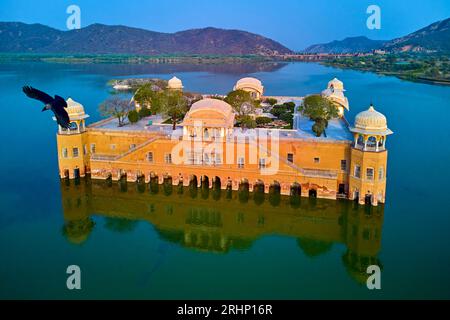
294,24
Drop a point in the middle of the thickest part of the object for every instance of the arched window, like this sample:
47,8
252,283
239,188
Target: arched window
380,173
369,173
360,140
73,126
372,142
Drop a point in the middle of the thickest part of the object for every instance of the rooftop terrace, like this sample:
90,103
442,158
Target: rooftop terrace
337,129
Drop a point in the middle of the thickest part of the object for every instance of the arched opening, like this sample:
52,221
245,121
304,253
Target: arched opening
167,185
108,180
204,182
258,192
360,141
193,186
154,184
341,189
123,186
204,185
275,194
217,184
356,195
180,187
381,142
296,189
372,142
244,191
193,182
368,199
217,190
76,173
73,126
229,184
312,193
140,183
66,173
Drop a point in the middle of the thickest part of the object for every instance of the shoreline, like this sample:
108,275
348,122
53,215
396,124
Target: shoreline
196,60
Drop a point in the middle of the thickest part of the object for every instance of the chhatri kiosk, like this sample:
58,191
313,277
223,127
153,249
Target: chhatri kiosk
349,162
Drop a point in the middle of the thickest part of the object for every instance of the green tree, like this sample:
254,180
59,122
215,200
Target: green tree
133,116
144,95
320,110
263,120
117,107
271,101
247,121
242,102
172,104
144,112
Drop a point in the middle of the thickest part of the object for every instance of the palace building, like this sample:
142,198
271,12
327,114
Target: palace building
206,149
252,85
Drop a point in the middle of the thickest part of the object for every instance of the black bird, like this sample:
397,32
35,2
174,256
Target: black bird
57,105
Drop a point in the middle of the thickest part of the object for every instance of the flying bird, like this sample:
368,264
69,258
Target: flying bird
56,104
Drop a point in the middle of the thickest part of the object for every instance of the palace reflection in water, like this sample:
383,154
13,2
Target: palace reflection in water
218,221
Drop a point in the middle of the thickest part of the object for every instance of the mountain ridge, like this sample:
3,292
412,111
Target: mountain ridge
18,37
432,38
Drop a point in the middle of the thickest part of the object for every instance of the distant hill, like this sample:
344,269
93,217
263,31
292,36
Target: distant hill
348,45
16,37
435,37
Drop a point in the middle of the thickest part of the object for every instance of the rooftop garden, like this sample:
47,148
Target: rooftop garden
150,97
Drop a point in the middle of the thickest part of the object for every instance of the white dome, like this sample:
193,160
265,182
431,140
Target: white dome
249,80
336,84
175,83
371,120
250,85
74,109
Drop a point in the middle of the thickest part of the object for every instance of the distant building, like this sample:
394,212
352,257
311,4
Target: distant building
380,51
349,162
252,85
175,84
335,92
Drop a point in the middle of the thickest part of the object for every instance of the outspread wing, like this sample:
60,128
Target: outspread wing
37,94
62,117
60,101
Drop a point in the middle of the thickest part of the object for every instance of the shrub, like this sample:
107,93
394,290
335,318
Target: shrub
144,112
271,101
263,120
133,116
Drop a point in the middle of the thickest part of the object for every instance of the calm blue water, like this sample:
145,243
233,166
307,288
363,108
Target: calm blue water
135,248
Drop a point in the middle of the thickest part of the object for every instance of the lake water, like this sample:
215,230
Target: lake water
133,244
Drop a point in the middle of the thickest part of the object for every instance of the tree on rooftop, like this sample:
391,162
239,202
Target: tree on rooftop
247,121
320,110
271,101
133,116
242,102
243,105
173,104
116,107
144,95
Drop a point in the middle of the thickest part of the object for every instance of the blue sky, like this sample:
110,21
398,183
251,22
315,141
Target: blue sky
294,23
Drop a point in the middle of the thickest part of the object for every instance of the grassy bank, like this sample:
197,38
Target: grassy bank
427,68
